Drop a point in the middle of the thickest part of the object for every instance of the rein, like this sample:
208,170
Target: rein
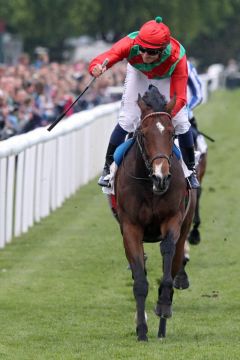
146,164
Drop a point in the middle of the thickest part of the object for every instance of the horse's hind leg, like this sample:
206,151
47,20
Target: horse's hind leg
132,237
194,235
182,250
181,281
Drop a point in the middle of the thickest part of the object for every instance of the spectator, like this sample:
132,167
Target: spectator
42,57
34,94
8,120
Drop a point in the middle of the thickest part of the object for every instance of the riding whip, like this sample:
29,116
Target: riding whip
61,116
206,136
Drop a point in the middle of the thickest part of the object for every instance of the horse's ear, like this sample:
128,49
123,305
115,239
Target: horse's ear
170,105
141,103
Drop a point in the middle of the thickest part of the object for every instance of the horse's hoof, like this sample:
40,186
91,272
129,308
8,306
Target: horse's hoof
194,237
141,331
142,338
181,281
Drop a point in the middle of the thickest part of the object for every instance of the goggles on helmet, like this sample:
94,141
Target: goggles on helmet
152,52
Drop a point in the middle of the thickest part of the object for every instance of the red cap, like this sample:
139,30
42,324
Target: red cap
153,34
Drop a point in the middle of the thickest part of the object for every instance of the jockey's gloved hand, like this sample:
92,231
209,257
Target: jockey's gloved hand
193,122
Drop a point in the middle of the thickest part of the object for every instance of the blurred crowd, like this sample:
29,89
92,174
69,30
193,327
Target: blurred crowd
33,94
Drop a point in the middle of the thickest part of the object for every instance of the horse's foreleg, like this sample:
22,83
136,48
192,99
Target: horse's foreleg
165,291
132,237
140,290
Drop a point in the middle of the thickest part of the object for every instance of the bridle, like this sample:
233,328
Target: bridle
156,113
139,140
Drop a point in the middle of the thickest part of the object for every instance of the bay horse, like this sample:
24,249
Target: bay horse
153,204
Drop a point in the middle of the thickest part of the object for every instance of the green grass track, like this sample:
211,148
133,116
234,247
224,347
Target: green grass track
66,293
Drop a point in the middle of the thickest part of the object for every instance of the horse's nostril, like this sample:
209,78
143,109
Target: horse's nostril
161,181
160,185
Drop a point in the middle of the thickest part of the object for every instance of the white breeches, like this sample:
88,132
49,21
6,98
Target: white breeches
137,83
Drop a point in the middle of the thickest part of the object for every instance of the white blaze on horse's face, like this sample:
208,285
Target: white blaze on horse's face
158,170
160,127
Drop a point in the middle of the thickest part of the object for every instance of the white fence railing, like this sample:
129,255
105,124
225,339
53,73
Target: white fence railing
40,169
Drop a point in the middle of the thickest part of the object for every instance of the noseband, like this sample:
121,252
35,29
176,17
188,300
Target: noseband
139,139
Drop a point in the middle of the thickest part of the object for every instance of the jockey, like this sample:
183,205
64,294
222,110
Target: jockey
194,98
154,57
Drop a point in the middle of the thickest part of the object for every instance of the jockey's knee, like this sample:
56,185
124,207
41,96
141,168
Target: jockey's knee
118,135
127,123
181,122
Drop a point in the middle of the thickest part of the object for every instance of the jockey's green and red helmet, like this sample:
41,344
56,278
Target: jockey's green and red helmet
154,34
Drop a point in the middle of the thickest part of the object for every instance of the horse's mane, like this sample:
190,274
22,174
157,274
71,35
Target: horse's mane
154,99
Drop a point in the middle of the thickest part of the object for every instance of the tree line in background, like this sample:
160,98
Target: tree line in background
209,30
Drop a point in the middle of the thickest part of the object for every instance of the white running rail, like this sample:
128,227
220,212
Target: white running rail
40,169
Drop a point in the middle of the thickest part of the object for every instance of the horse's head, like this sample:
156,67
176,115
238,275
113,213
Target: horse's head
156,136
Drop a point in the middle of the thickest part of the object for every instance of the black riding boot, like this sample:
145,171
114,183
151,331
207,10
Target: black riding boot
194,129
189,159
108,161
117,137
